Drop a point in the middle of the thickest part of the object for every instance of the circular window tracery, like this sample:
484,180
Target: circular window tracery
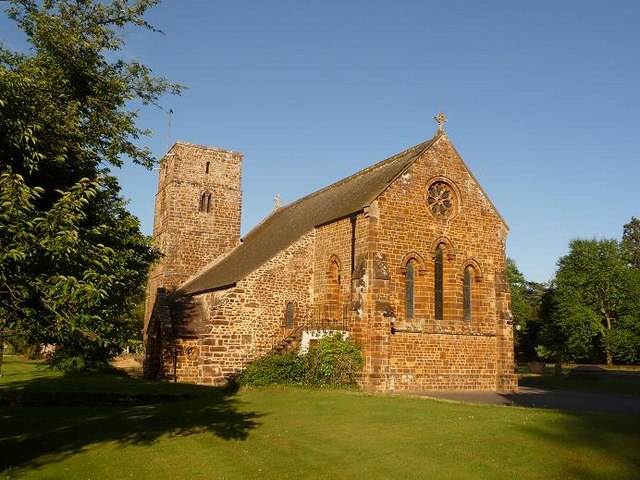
440,198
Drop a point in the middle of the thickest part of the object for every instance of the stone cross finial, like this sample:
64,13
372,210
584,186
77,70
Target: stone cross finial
277,200
441,119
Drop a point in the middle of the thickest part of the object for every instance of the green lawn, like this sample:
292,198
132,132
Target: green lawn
295,433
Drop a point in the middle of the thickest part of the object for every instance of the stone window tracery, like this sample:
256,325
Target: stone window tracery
440,198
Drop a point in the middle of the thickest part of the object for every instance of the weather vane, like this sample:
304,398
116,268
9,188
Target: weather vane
441,119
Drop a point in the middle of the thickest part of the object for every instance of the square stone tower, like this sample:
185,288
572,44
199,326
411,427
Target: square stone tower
197,213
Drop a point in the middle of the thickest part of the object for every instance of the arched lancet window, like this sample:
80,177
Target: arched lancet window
334,290
409,289
439,284
206,167
467,297
290,315
205,202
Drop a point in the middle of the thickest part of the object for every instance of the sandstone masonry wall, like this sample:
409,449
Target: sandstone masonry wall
248,320
450,353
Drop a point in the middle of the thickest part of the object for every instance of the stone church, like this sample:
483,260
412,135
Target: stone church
406,256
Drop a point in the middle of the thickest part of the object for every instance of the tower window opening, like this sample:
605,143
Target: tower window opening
205,203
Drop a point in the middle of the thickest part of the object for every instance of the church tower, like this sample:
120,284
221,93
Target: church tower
197,213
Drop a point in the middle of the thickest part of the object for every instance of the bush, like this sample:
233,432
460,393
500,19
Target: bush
77,358
333,362
273,368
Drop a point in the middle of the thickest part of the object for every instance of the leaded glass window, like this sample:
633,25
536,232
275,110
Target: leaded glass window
409,299
466,294
290,315
439,284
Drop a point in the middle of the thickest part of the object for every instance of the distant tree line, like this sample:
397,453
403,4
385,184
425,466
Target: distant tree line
590,311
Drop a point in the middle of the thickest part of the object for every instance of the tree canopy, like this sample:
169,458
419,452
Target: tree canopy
594,305
631,241
526,301
72,258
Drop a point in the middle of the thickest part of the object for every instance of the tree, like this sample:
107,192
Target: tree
631,240
594,307
72,258
526,299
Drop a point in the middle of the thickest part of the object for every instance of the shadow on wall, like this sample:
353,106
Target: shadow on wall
173,317
31,436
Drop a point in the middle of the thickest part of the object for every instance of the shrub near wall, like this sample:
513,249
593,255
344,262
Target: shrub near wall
285,368
333,362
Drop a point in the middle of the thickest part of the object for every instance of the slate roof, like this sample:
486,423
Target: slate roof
287,224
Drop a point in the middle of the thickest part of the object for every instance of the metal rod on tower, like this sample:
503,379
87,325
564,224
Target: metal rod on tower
169,130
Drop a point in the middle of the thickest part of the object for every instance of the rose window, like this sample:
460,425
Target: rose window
440,199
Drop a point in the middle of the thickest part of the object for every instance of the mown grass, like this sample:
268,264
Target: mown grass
296,433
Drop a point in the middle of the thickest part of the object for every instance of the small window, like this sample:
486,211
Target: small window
205,203
334,290
206,167
466,294
439,285
409,297
290,315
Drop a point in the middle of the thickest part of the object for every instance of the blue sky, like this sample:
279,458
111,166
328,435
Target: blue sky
542,97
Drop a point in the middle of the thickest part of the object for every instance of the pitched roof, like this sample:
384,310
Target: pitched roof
287,224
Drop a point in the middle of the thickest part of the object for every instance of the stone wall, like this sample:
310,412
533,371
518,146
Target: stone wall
451,352
248,320
372,250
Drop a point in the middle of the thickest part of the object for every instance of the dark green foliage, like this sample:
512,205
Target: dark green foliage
333,362
286,368
526,303
73,262
631,241
593,311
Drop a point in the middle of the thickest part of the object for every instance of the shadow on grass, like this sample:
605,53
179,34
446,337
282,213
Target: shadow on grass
50,432
606,446
625,386
574,400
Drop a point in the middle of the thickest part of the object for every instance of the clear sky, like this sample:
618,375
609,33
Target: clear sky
542,97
